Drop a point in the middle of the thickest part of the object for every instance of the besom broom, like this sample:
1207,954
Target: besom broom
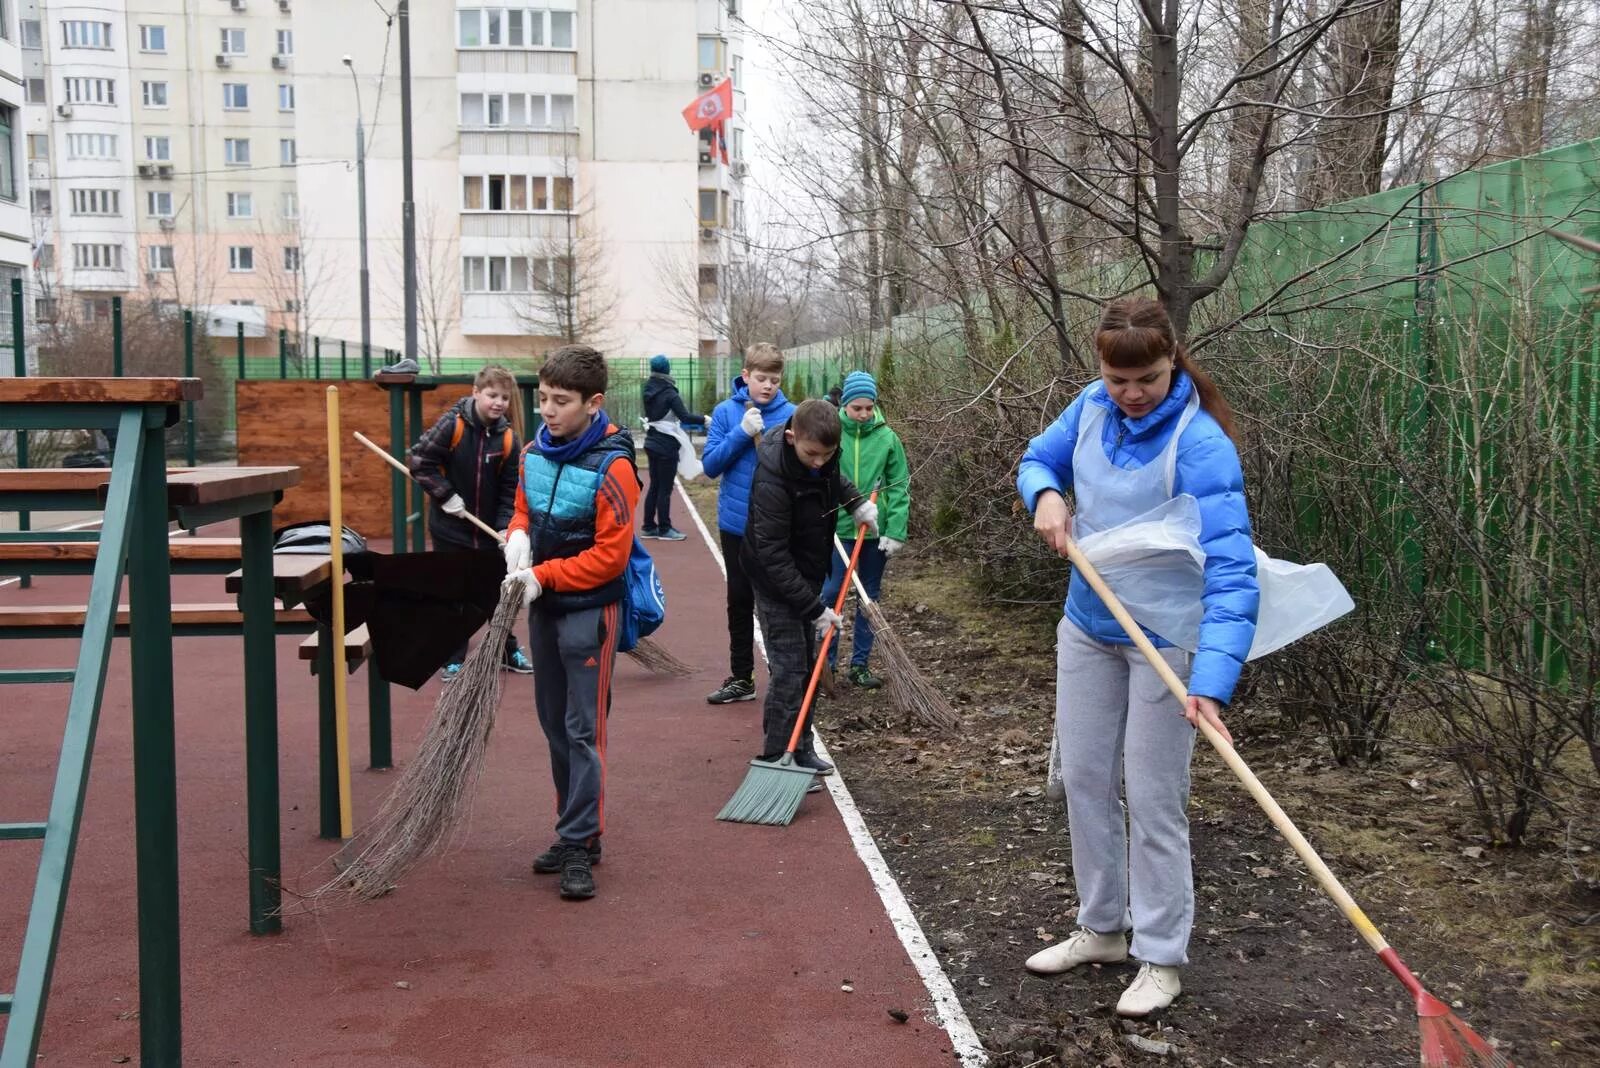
649,654
773,789
1447,1042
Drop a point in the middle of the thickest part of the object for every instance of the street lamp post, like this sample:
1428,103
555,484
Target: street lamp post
361,222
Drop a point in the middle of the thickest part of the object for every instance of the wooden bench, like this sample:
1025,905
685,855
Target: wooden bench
357,648
221,550
66,621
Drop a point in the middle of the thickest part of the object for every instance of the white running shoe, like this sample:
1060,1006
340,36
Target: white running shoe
1082,946
1151,990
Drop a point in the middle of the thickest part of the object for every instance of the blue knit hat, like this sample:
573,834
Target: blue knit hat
858,384
660,365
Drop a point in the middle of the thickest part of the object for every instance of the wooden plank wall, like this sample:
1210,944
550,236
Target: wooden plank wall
285,422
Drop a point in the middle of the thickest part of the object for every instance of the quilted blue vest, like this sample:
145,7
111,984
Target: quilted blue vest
561,506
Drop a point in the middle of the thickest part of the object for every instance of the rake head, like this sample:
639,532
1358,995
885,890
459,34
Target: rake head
1447,1041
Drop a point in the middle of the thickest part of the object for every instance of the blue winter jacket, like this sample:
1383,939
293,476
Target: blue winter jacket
1207,468
730,453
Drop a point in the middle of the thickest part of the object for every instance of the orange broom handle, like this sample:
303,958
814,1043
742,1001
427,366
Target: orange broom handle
1280,819
827,639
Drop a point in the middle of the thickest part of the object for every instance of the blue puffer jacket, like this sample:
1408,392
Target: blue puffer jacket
730,453
1208,468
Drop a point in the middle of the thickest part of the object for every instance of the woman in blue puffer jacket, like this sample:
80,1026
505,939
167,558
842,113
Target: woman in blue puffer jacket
1153,427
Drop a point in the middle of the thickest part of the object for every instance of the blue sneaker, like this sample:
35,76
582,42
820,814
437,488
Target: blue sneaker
518,662
671,534
448,675
649,532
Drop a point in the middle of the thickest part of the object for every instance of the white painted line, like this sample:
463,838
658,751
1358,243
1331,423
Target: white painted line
952,1017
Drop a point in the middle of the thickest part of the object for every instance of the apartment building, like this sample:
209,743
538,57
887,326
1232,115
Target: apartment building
557,189
14,227
161,143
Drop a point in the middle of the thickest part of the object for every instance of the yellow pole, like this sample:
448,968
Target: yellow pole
336,549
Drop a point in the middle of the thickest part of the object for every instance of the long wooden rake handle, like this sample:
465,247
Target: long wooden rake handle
404,470
1280,819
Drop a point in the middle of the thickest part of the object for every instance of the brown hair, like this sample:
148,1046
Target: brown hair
493,374
1135,332
575,367
817,421
764,356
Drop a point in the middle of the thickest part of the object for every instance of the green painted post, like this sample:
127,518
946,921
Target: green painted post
116,337
378,732
419,507
344,369
240,335
188,372
283,353
19,361
327,737
155,795
260,722
397,481
316,357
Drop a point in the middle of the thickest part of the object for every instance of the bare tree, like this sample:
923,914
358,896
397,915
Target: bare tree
438,283
572,295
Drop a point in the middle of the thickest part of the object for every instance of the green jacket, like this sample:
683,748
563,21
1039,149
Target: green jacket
870,455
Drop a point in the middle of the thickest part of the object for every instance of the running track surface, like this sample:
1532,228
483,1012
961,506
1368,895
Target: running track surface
708,944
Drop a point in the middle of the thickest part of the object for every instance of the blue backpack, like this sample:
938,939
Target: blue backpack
644,602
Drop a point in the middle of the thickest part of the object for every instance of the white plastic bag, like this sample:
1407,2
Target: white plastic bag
1156,567
688,463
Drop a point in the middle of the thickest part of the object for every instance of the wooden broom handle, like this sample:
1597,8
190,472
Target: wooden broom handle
400,467
1280,819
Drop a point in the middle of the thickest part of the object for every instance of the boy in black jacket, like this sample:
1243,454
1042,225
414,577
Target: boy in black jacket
467,461
788,551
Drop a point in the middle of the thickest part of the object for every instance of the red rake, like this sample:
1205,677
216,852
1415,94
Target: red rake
1447,1042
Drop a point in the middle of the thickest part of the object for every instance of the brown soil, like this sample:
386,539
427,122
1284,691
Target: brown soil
1276,976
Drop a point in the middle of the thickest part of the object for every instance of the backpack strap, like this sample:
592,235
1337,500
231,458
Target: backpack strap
505,445
461,428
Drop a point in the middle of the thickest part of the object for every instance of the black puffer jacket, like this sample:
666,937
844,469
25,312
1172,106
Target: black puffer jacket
661,399
788,540
482,468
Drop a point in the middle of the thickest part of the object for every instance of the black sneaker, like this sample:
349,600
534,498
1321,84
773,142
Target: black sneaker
518,662
732,689
577,880
549,862
862,676
812,762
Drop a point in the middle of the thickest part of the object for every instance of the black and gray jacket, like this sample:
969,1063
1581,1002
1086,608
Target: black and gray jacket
661,399
788,539
481,466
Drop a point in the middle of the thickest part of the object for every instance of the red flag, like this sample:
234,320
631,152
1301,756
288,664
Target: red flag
712,106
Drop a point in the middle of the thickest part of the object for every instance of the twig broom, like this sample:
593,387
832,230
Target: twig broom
1447,1042
435,791
650,654
910,692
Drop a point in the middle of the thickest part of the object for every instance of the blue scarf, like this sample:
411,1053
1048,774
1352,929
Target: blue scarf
563,452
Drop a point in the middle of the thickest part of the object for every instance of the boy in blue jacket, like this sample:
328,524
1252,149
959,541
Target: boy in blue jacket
736,425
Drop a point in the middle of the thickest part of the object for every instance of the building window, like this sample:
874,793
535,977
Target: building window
286,153
711,54
158,149
8,153
235,96
33,91
32,34
44,308
735,68
152,38
563,111
515,192
96,309
241,258
91,90
708,207
158,205
497,27
77,33
155,94
96,202
241,206
285,42
534,110
160,257
39,201
236,150
738,143
290,206
285,96
563,28
291,258
97,257
38,146
91,146
495,274
233,42
47,256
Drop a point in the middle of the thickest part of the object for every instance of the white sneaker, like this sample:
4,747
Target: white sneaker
1151,990
1082,946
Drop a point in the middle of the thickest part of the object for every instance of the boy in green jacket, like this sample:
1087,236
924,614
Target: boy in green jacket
870,455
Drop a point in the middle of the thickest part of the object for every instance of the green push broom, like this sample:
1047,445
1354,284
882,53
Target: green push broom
773,789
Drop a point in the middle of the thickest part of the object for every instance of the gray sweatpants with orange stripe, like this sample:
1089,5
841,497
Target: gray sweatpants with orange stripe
573,655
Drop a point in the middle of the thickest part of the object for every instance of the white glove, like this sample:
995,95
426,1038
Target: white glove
517,552
826,622
530,585
889,546
455,505
866,514
752,422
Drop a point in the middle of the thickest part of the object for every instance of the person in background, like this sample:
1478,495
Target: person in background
662,402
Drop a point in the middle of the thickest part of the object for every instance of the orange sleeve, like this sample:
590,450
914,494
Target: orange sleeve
614,504
519,515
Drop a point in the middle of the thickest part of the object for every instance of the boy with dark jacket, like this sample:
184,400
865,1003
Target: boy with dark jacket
787,552
467,462
568,547
756,406
661,402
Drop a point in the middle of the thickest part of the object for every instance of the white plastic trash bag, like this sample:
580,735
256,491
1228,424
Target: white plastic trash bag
688,463
1155,566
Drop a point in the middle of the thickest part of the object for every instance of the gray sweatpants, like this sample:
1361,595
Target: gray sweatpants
1122,734
573,654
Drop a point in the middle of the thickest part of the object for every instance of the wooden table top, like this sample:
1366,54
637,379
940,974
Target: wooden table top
185,485
99,390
